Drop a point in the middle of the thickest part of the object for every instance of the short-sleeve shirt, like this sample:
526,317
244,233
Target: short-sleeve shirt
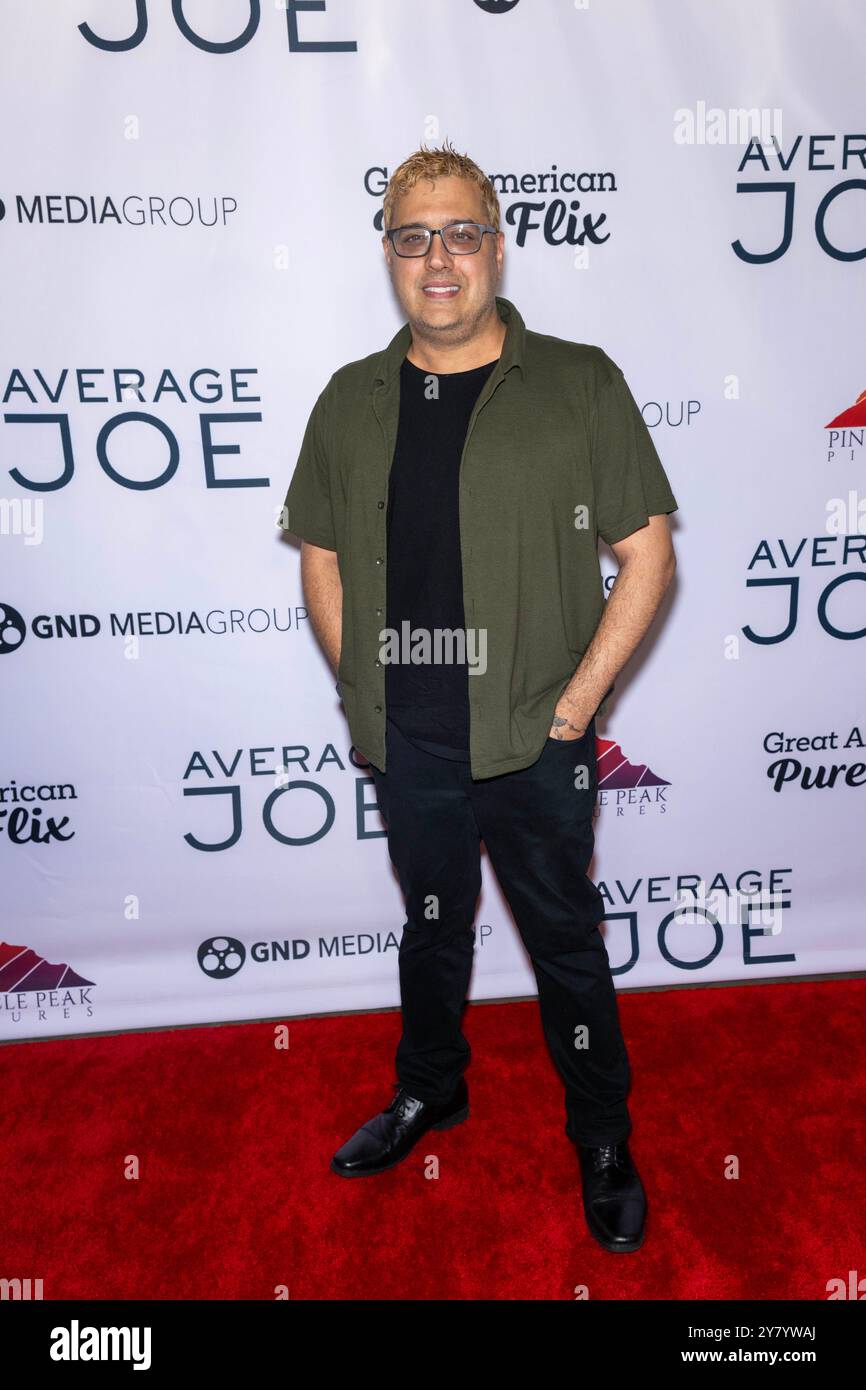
556,454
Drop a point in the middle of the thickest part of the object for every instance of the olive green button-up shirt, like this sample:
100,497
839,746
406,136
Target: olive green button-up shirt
556,454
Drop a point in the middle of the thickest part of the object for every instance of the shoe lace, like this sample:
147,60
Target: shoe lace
609,1155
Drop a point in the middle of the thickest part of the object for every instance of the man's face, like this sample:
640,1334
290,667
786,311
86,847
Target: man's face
451,315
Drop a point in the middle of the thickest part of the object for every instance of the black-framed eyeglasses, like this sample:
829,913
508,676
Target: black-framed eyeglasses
458,238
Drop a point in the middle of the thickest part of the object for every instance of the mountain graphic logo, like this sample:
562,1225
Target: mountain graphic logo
23,971
616,772
851,418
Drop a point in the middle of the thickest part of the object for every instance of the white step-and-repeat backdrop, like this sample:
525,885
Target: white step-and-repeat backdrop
190,212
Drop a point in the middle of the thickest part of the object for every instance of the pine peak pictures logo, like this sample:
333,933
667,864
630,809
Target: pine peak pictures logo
852,418
615,771
22,971
624,785
845,438
34,990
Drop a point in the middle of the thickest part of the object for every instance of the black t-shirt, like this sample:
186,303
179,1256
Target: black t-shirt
429,701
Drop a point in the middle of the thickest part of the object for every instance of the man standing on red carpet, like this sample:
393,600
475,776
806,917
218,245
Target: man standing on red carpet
449,494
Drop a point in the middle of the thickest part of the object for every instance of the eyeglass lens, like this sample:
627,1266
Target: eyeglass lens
461,238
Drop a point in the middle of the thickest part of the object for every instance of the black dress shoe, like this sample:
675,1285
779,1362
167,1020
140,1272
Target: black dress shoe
386,1139
614,1200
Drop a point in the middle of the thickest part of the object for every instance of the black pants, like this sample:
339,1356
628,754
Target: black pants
537,827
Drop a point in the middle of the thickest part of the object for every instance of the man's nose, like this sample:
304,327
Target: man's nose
437,253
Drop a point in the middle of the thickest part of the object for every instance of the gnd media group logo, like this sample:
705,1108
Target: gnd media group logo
129,627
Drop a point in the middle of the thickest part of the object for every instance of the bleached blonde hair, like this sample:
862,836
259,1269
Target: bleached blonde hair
440,163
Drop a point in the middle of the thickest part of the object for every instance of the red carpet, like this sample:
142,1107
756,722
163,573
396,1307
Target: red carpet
233,1138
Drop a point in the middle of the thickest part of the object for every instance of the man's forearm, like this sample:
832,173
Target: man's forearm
323,594
634,600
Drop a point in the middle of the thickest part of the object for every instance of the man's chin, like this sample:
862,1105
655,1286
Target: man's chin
439,321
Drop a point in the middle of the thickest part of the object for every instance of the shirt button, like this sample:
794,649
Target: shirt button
378,709
380,504
379,611
378,559
378,662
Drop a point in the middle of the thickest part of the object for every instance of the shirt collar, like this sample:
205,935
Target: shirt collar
512,348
